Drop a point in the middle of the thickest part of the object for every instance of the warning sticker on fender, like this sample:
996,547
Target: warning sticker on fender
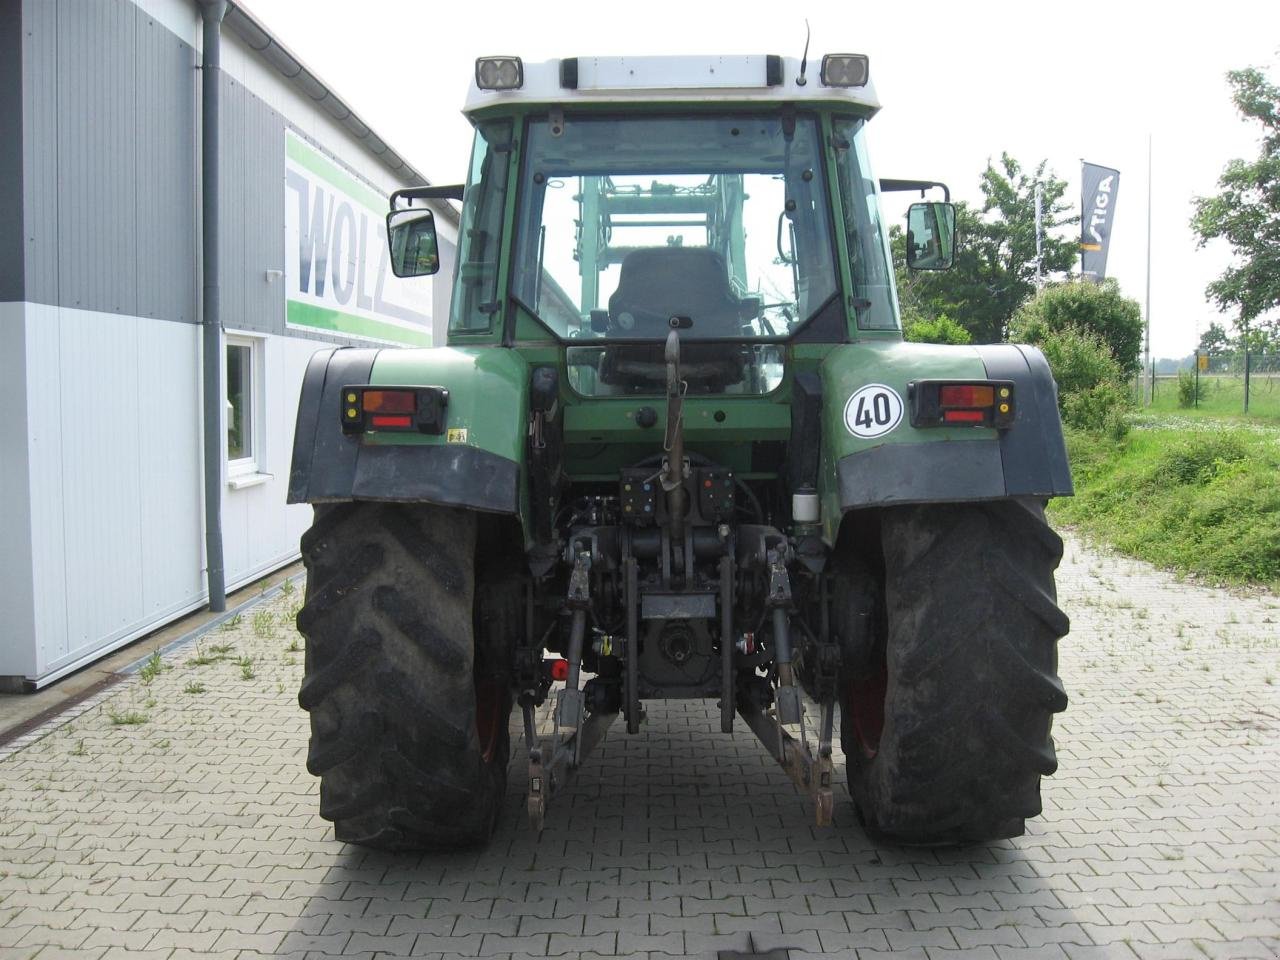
873,411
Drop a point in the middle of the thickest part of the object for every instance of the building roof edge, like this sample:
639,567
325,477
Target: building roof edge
269,47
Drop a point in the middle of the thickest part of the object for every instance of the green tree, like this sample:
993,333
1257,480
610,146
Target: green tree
995,268
1099,308
939,329
1215,340
1246,210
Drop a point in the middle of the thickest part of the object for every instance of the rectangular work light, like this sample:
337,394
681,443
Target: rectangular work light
845,70
499,73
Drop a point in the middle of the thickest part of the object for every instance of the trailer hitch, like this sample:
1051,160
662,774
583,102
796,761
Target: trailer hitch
575,734
812,771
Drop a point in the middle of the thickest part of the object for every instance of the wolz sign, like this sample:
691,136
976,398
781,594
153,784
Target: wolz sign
337,273
1101,186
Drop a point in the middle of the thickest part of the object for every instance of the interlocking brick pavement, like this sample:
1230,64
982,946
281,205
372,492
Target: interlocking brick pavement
195,833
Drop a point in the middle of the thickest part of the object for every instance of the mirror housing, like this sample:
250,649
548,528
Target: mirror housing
931,236
411,238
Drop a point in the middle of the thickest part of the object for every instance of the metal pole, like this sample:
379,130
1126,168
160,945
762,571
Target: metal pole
1246,370
213,12
1196,399
1039,230
1148,330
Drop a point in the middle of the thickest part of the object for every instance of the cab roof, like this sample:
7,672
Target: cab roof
732,78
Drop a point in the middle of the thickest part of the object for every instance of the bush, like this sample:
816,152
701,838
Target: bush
1096,307
1189,391
1079,360
1091,395
941,329
1099,409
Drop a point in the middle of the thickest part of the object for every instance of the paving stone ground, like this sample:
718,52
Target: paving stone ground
194,833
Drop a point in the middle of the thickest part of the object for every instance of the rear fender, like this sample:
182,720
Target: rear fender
902,464
475,463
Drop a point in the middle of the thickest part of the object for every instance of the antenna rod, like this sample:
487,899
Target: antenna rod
804,57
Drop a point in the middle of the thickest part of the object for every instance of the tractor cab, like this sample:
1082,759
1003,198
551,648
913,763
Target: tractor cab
728,198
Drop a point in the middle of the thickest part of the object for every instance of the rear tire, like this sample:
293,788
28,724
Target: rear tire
408,726
946,721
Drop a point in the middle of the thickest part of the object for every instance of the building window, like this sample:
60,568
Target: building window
244,373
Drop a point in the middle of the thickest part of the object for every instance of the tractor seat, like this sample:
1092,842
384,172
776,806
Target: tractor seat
656,284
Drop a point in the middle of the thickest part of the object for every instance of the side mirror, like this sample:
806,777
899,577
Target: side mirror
931,236
411,238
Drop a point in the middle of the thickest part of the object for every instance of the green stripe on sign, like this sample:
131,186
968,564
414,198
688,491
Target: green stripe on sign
335,321
304,155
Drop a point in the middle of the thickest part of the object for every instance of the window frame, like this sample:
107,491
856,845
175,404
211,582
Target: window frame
250,465
826,183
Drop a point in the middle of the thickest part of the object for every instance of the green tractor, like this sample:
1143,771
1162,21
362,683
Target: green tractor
676,447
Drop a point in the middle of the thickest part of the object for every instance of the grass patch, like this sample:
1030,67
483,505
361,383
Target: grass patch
127,718
246,668
1222,395
1205,502
194,687
214,654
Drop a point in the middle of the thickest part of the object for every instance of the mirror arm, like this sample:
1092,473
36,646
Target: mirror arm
898,186
452,191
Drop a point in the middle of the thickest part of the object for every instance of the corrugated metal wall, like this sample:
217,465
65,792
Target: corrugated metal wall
100,487
109,204
251,156
11,240
17,626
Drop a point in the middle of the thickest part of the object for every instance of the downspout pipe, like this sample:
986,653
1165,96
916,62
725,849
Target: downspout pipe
211,321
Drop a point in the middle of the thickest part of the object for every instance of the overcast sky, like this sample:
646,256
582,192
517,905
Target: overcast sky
959,83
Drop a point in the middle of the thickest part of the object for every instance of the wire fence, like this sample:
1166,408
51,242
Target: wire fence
1235,383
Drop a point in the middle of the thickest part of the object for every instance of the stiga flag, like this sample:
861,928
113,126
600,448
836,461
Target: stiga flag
1097,210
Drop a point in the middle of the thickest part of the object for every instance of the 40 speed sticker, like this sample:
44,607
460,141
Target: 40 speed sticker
873,411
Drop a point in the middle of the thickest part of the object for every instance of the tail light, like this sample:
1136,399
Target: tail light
966,403
415,409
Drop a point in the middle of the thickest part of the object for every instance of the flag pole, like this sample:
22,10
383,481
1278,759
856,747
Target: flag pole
1039,232
1146,368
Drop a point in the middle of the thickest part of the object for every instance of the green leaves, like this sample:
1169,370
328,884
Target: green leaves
1246,211
995,268
1097,307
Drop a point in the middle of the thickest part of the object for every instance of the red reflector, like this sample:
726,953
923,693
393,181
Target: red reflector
963,416
385,421
390,401
965,396
559,669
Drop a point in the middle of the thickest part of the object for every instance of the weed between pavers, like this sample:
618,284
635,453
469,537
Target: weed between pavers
264,623
152,668
127,718
216,654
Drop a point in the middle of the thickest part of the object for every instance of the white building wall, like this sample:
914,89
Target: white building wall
101,484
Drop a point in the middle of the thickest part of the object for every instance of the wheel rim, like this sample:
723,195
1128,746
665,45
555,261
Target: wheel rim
866,707
489,716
